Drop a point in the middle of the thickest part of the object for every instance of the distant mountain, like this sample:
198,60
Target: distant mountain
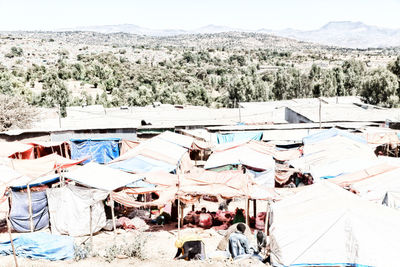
340,33
346,34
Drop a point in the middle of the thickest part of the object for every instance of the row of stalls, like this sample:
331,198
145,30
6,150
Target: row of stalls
323,195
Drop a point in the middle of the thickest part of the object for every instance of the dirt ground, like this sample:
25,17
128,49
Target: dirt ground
159,248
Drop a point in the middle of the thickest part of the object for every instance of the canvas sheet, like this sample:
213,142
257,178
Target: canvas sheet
40,245
19,214
101,176
69,209
392,200
8,149
327,134
326,225
141,164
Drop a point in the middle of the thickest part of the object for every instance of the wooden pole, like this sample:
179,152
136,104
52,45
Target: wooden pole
247,211
30,206
266,230
91,229
113,215
320,107
11,240
255,208
9,230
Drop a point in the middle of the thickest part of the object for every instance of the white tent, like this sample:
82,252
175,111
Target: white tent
392,200
69,209
101,176
326,225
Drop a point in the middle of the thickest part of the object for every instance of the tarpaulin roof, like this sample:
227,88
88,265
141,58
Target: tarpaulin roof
374,188
381,138
238,136
333,157
178,139
98,150
8,149
327,134
42,166
349,179
156,148
254,154
326,225
141,164
101,176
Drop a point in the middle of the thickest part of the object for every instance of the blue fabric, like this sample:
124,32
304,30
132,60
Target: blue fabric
141,164
40,245
47,181
19,215
97,150
141,184
233,137
323,135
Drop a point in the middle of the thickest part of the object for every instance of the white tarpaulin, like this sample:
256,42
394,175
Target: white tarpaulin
101,176
69,209
326,225
375,188
240,155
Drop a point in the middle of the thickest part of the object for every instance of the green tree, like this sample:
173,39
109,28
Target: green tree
380,88
55,93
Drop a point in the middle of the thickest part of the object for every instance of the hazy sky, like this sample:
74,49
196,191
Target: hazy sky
190,14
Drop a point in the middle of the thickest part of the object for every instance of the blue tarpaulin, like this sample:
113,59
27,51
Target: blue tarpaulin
233,137
141,164
323,135
40,245
19,215
97,150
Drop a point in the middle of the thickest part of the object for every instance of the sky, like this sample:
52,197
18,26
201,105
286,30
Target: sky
190,14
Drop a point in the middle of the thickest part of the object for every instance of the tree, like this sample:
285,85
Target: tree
380,88
15,113
55,93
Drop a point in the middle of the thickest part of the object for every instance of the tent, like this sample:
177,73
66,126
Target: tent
326,225
163,152
44,148
70,208
20,216
101,176
333,157
97,150
327,134
254,154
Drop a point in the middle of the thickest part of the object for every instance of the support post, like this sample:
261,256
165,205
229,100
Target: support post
255,207
320,107
30,206
179,218
11,240
91,229
113,215
247,211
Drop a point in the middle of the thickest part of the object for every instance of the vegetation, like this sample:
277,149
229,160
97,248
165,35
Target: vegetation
219,71
15,113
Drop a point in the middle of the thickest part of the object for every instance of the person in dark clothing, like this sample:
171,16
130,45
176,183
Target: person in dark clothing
191,248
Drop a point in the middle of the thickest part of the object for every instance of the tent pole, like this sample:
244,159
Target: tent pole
11,240
255,207
91,228
247,211
30,206
113,215
179,218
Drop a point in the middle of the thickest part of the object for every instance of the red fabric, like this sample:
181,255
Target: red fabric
260,220
205,220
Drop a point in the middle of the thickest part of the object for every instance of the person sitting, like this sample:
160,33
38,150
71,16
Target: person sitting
191,248
238,243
